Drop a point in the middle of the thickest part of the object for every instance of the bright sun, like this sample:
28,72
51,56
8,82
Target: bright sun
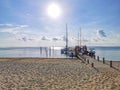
54,10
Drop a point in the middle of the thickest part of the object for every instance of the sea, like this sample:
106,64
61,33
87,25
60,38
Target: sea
32,52
109,53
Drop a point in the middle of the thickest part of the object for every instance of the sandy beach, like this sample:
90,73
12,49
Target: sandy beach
56,74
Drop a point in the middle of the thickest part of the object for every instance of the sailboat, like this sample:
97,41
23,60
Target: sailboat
67,50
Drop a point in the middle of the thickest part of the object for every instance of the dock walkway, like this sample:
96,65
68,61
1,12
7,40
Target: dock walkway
98,65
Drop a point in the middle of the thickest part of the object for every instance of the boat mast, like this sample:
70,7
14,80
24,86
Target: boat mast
66,39
80,37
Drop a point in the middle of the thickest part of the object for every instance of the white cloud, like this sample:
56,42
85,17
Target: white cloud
25,39
13,28
23,26
20,32
7,24
12,25
85,40
45,38
56,39
24,35
99,36
10,30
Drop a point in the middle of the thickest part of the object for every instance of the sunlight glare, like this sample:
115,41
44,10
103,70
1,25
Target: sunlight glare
54,10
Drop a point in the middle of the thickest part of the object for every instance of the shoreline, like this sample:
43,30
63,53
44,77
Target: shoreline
49,58
34,59
115,64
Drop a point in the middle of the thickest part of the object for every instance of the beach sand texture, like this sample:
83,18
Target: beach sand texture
55,74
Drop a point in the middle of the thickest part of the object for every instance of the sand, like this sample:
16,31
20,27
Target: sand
55,74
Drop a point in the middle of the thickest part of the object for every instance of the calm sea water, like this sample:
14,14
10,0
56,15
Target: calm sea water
110,53
42,52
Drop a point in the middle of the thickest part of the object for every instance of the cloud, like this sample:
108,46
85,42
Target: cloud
99,36
28,37
19,32
101,33
13,28
23,26
6,25
45,38
25,39
12,25
85,40
57,38
10,30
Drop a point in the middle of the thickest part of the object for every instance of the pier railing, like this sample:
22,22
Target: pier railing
104,61
99,59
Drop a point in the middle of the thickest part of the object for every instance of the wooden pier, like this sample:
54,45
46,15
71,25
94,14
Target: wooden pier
96,63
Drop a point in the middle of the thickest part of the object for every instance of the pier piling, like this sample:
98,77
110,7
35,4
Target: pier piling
88,61
103,60
92,64
98,58
110,63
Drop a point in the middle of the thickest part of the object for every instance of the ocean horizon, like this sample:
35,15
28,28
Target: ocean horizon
108,52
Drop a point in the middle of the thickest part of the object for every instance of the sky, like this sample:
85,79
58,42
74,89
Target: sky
26,23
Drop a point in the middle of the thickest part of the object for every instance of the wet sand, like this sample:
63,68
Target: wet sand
55,74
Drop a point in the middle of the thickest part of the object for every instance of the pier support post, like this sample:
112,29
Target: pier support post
98,58
88,61
92,64
103,60
110,63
